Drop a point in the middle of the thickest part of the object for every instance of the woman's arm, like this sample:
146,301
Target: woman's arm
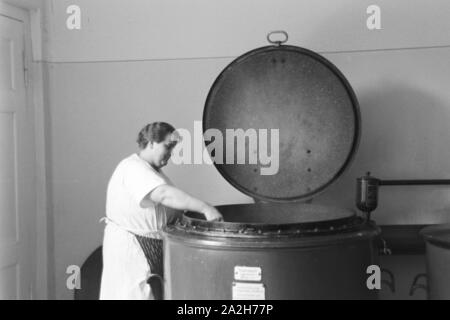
175,198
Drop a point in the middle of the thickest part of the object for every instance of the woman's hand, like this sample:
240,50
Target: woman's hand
211,214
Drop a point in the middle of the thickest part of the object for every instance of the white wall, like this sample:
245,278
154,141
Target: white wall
163,29
135,62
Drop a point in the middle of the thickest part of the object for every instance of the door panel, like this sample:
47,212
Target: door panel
8,208
9,275
17,169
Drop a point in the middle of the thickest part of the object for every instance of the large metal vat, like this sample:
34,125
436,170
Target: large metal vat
278,248
277,256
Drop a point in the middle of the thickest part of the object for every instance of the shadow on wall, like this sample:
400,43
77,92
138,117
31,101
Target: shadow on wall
404,136
404,123
91,273
403,130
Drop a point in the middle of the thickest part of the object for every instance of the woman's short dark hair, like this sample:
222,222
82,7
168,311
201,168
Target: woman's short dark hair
154,132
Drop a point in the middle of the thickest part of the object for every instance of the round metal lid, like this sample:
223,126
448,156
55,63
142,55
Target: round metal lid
300,94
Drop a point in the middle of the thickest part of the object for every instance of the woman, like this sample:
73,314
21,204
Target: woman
138,202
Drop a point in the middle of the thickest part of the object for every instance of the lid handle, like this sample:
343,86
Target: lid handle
277,42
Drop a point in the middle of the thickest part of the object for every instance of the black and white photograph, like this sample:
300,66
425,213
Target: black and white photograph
240,152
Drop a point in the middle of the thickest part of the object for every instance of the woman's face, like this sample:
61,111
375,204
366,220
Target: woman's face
162,151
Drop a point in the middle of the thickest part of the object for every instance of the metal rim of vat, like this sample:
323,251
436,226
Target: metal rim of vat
438,235
366,231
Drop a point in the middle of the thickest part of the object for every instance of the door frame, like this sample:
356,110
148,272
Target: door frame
29,13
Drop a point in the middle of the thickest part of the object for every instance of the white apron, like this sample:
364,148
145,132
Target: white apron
125,267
